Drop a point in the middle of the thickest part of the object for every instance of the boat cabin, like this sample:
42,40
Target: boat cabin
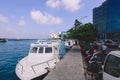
43,51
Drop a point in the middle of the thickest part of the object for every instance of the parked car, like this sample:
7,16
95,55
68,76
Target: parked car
116,40
112,66
111,44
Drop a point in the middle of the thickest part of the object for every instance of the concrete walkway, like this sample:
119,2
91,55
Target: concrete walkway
69,68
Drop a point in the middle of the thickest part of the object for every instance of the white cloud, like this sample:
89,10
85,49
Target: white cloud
70,5
53,3
3,19
7,32
22,21
44,18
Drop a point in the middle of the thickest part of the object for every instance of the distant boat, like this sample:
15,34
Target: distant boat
3,40
42,57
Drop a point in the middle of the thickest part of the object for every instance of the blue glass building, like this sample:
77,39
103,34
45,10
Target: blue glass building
107,18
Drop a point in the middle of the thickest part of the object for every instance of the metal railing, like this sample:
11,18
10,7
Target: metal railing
40,64
22,67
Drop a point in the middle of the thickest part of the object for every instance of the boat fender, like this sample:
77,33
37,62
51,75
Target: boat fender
48,69
55,62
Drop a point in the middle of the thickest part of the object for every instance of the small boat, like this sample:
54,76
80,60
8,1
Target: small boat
42,57
3,40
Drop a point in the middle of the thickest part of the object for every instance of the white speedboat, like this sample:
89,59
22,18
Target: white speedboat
43,55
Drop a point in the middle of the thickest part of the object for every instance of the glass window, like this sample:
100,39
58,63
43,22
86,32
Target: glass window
33,50
40,50
48,50
112,66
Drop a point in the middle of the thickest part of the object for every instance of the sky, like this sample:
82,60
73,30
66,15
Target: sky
40,18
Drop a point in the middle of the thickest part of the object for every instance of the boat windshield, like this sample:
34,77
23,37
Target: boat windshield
40,50
48,50
33,50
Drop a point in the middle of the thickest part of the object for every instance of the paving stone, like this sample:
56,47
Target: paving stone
69,68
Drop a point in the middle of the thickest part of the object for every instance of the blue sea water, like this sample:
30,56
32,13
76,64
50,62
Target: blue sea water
10,53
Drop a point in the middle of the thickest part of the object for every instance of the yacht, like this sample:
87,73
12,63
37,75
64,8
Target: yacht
42,57
3,40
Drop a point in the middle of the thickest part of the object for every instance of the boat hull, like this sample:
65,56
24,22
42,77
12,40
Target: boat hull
26,70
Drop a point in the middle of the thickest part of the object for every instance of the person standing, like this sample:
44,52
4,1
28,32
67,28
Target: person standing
104,48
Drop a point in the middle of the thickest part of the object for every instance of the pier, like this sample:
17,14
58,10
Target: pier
69,68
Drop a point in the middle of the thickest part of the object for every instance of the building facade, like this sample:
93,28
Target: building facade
107,18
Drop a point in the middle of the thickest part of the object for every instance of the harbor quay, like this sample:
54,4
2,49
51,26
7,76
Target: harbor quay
69,68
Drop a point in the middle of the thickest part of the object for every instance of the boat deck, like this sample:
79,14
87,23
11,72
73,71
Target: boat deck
69,68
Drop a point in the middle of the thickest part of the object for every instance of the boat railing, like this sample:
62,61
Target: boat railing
21,66
41,64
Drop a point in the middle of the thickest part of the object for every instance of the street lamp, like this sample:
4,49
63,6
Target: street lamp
83,18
